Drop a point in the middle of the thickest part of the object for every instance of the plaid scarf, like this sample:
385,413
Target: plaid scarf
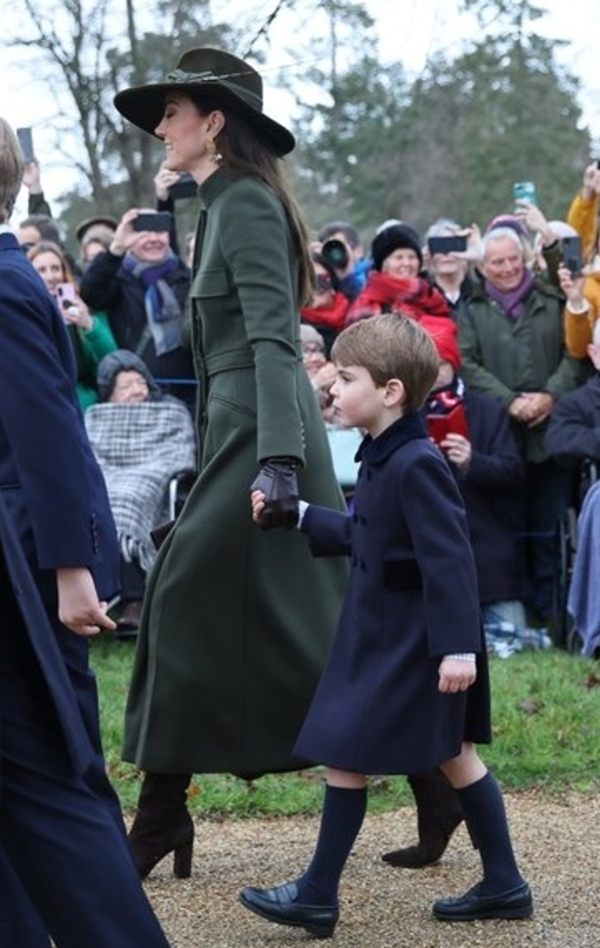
139,448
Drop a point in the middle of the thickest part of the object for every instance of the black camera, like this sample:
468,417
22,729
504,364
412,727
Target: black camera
336,254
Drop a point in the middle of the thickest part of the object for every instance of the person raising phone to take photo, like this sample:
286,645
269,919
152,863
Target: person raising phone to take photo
143,286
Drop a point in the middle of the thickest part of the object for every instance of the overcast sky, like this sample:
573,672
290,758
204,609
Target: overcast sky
408,30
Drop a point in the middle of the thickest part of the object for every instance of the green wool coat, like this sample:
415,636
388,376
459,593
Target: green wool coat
502,356
237,622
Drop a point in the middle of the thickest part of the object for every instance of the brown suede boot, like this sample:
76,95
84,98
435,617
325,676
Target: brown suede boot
439,813
163,825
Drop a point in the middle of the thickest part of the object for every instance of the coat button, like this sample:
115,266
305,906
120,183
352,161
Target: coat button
363,566
363,521
355,518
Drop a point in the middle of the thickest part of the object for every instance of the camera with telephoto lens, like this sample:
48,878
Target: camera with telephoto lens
336,253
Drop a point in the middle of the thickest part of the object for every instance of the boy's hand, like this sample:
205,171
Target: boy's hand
258,500
456,674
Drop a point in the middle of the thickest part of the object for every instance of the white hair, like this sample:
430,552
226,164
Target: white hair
499,233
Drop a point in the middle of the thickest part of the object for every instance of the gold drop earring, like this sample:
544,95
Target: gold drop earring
215,155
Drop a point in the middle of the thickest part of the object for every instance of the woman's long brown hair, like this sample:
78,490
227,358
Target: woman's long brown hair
245,152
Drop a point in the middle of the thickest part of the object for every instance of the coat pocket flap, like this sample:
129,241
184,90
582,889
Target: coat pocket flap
210,282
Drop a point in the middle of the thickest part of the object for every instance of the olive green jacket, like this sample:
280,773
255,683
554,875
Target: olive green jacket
502,356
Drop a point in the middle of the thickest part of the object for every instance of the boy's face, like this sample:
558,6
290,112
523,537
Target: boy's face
358,402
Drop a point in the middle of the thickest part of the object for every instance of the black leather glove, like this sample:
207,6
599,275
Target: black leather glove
278,482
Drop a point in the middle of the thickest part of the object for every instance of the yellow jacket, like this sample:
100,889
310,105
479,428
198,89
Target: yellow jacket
583,216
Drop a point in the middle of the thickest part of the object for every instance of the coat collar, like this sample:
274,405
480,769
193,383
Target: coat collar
378,450
8,240
214,185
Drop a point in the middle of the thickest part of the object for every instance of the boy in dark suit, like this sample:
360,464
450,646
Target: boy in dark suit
405,688
65,866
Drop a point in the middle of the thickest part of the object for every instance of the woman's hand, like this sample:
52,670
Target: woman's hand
456,674
572,287
591,181
76,312
530,215
257,501
125,236
163,180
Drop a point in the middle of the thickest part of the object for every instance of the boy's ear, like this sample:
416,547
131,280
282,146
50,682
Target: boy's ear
395,393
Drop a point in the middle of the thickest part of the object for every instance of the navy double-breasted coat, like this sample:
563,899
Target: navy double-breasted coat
412,598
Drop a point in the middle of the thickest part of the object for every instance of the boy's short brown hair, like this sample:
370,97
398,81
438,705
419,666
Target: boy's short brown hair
12,167
391,346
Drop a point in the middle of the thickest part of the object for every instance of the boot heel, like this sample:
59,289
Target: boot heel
182,861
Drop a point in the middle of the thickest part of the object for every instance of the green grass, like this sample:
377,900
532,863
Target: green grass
546,712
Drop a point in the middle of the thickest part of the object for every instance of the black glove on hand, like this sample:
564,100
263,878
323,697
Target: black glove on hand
278,482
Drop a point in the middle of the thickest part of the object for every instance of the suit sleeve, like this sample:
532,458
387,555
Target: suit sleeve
255,241
43,426
435,519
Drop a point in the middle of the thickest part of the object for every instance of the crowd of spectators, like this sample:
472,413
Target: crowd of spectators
512,307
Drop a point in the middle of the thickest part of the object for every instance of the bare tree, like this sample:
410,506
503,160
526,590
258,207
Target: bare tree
86,50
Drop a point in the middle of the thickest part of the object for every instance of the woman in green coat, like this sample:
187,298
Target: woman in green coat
237,621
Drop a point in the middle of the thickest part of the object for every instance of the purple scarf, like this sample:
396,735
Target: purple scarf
513,301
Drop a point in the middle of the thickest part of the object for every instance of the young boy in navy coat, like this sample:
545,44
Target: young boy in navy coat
405,688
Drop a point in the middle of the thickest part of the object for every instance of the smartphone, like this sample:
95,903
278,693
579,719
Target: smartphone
525,191
598,163
455,422
453,244
154,220
66,293
185,187
25,138
571,251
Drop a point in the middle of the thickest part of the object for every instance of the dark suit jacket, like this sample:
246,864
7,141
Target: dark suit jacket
55,510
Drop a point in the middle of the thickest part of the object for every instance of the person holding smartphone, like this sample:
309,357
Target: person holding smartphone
142,284
90,334
450,249
582,288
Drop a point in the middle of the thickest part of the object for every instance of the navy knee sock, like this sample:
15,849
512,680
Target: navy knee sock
342,817
485,814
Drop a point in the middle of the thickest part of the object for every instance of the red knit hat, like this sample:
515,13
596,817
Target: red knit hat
443,331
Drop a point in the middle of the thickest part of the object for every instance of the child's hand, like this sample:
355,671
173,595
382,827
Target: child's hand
257,499
456,674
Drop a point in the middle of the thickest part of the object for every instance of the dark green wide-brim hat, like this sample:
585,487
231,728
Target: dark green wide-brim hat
230,82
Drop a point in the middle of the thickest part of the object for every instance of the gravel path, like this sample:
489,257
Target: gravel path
557,840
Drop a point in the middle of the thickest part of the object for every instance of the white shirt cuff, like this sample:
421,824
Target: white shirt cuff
302,508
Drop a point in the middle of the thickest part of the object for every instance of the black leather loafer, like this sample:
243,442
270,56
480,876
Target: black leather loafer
279,905
515,903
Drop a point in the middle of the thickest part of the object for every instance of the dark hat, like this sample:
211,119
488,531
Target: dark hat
393,238
85,225
122,360
225,78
